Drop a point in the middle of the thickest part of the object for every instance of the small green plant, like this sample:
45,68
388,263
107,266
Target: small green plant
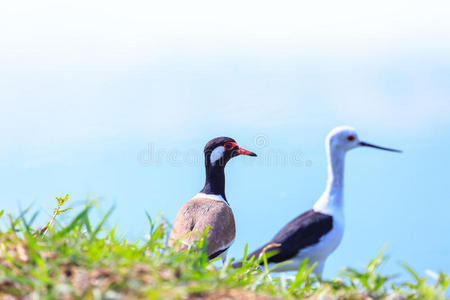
370,279
56,212
420,289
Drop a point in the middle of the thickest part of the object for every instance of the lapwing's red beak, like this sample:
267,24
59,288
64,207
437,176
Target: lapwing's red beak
245,152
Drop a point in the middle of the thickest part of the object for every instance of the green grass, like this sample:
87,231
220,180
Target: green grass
81,260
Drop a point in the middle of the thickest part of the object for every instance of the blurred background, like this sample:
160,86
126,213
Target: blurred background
115,100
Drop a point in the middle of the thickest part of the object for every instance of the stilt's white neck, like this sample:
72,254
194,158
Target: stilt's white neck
331,201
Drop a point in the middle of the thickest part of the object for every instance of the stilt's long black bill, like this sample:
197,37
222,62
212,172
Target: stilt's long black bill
378,147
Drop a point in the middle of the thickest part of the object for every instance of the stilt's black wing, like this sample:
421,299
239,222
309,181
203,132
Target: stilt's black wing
303,231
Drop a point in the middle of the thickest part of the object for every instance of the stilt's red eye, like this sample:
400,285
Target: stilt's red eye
229,145
351,137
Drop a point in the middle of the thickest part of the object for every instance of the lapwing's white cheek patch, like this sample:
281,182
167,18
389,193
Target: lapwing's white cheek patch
216,154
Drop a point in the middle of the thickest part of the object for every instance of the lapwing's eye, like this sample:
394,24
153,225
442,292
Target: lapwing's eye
228,146
351,138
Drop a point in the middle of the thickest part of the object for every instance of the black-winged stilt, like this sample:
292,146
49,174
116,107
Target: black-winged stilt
316,233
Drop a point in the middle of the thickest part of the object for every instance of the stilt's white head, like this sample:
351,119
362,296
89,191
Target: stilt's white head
344,138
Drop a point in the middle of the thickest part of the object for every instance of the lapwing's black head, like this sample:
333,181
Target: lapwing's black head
220,150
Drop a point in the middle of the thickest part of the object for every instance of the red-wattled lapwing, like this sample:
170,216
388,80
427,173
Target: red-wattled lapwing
316,233
210,207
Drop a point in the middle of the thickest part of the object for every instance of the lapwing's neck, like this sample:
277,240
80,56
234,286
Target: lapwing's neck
332,200
215,181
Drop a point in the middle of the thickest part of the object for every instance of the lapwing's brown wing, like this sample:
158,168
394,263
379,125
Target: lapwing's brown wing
199,213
